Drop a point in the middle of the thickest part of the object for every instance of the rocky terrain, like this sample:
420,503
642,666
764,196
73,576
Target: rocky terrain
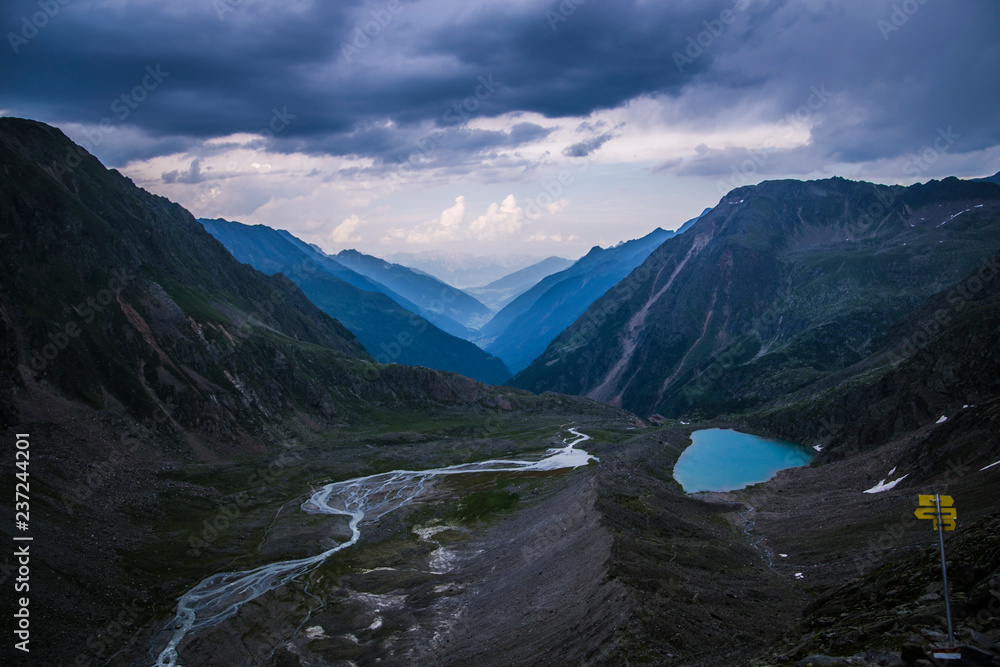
181,406
777,287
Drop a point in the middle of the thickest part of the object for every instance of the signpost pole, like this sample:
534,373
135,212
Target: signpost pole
944,570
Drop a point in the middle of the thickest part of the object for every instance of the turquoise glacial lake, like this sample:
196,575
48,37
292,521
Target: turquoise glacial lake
720,459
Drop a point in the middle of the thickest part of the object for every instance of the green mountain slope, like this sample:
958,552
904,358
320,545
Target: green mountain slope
937,366
525,326
778,286
112,295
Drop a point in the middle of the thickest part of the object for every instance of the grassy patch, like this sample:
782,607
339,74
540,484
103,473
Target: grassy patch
479,504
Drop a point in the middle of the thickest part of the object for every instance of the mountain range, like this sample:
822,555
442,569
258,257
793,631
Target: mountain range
463,270
116,297
525,326
429,293
502,291
379,316
154,374
182,406
776,288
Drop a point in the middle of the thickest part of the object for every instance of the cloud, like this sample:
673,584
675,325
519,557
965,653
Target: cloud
343,233
552,238
557,206
501,219
585,148
446,227
192,175
411,109
228,74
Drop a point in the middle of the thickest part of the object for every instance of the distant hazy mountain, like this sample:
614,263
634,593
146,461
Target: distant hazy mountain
268,250
462,269
500,292
776,288
525,327
390,332
429,293
413,282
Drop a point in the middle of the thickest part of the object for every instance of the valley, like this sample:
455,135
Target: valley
225,473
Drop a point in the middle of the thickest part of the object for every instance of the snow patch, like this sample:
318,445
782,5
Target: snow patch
316,632
799,575
989,466
783,555
942,420
884,486
818,448
956,215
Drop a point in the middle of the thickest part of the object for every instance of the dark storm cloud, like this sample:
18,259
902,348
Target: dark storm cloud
437,146
368,79
585,148
191,175
225,75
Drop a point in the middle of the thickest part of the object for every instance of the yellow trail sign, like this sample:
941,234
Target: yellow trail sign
941,510
929,510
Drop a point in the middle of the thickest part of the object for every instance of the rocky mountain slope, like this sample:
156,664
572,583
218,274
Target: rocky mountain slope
112,296
390,332
777,287
525,326
936,365
156,376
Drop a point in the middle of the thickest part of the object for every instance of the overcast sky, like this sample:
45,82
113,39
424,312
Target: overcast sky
506,126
